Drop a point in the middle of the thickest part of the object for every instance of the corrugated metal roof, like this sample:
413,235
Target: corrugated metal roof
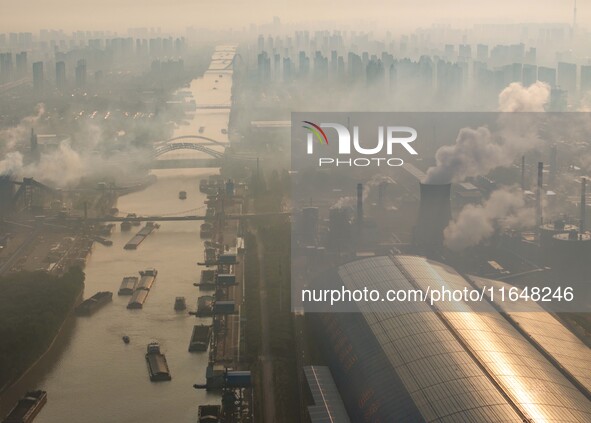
469,366
329,407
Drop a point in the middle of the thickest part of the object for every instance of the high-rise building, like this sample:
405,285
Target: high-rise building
60,75
585,79
38,77
81,74
530,74
567,77
482,52
21,64
547,75
6,71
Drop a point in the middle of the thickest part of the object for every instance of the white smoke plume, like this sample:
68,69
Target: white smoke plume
65,167
476,223
478,151
517,98
11,137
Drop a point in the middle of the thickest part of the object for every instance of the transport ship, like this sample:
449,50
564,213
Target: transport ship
200,338
27,408
92,304
157,365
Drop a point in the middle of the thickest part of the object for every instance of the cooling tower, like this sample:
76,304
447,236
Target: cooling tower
434,214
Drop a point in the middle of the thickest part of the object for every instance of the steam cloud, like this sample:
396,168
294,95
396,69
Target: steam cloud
11,137
478,151
517,98
475,223
65,166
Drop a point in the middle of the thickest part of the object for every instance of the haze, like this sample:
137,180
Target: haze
172,15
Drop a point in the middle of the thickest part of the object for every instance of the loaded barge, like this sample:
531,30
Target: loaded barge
27,408
128,285
92,304
141,235
200,338
157,365
142,288
207,282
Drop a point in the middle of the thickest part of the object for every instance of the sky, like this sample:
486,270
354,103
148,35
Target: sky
170,15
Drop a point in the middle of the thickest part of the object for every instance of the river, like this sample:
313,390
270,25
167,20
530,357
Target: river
90,375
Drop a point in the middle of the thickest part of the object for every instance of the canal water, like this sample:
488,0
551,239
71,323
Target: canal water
91,376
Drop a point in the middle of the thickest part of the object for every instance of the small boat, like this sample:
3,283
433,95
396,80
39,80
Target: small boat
180,304
183,195
126,339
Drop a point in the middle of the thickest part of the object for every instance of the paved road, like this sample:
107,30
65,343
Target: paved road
266,358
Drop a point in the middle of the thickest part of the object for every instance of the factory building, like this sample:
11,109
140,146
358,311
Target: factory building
451,362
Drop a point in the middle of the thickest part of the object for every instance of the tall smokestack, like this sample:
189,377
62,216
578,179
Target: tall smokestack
522,173
539,217
583,204
359,205
434,214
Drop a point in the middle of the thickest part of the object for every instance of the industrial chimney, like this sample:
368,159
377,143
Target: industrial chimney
583,204
359,205
539,216
434,214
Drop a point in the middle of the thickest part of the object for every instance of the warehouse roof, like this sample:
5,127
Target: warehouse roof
472,366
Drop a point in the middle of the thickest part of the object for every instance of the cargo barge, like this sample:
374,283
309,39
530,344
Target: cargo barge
157,365
209,413
180,304
128,285
207,282
148,277
204,306
92,304
27,408
200,338
141,235
206,230
142,288
138,298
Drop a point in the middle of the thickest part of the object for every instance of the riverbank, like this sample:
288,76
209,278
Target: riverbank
34,308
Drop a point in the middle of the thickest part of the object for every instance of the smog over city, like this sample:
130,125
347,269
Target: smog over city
268,212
